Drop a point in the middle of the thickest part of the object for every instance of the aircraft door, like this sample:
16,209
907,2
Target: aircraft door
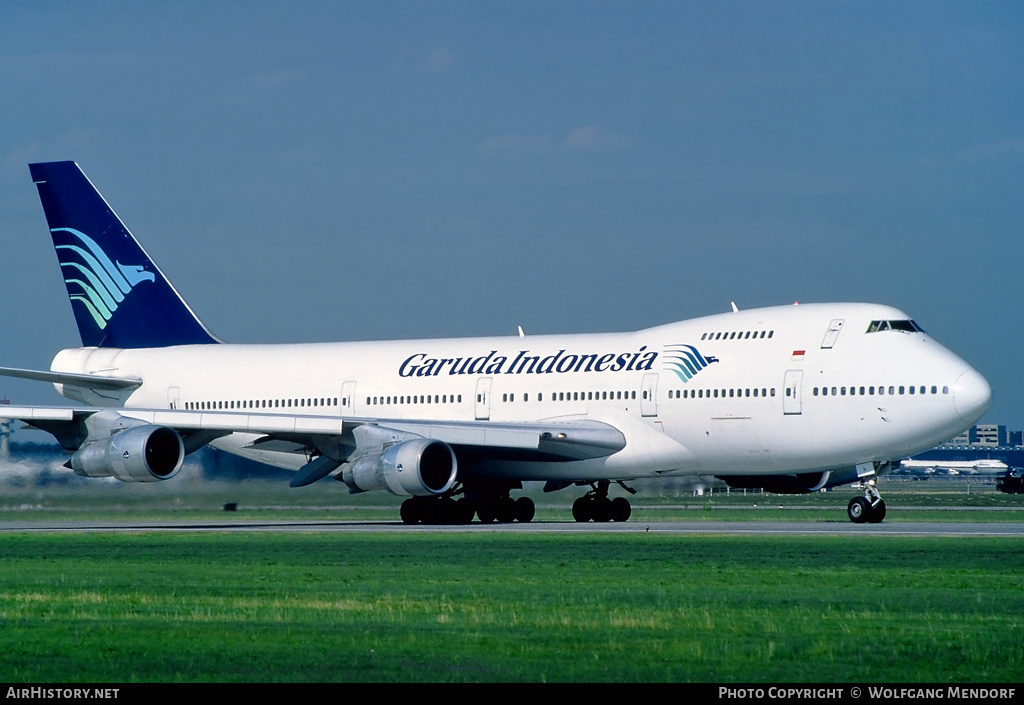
348,397
649,395
834,328
791,402
483,399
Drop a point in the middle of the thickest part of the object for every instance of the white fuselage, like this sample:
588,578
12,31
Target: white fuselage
764,391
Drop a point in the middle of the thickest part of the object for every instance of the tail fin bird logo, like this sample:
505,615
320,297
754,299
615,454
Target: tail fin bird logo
685,361
93,279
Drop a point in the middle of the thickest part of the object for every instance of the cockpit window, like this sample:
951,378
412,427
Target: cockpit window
904,326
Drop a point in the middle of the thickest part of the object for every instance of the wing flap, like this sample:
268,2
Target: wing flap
28,414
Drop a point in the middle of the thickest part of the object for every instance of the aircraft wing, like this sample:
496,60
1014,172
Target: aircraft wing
552,441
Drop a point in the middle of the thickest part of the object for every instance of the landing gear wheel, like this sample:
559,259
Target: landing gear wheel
411,511
525,510
581,509
601,509
877,513
487,513
506,510
859,509
438,510
621,509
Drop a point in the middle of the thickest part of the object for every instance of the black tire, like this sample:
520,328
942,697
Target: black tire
602,509
877,513
621,509
506,510
439,510
858,510
525,510
581,511
487,513
410,511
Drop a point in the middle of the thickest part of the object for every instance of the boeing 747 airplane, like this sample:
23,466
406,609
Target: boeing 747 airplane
792,398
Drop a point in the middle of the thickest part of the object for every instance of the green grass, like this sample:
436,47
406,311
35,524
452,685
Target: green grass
486,606
948,500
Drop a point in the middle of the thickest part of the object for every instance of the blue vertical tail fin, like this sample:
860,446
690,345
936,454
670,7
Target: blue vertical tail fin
120,298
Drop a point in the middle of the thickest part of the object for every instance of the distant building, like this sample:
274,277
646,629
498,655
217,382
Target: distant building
987,436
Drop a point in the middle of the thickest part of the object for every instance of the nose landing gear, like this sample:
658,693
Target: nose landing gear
870,508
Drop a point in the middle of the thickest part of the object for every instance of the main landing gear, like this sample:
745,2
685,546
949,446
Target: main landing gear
870,508
596,506
448,510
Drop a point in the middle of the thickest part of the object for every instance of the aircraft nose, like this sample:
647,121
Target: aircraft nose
971,396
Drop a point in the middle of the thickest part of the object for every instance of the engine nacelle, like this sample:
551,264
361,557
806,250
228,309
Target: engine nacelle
797,483
144,453
420,467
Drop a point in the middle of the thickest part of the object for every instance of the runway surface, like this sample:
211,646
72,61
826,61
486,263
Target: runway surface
761,528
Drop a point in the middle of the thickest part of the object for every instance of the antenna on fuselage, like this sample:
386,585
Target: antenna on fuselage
521,333
734,309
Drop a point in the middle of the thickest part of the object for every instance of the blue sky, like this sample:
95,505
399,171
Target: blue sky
342,171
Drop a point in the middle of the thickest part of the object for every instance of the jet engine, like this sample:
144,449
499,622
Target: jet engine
420,467
797,483
143,453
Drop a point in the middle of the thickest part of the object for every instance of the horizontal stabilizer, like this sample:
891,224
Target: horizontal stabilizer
73,380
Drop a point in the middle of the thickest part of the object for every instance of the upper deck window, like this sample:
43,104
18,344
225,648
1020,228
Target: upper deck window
903,326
